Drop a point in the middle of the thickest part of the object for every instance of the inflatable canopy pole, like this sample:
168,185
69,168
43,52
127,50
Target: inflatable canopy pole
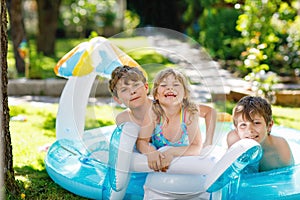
72,107
121,148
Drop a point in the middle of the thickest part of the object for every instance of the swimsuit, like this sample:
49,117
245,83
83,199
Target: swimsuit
158,139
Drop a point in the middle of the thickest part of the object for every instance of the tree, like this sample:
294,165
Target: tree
18,33
160,13
48,12
7,177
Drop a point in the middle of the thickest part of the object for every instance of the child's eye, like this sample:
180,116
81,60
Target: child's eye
257,122
162,85
243,125
123,90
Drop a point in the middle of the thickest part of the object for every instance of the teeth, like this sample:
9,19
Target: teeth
170,95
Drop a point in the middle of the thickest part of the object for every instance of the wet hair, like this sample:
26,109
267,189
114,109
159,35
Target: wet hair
249,106
126,73
187,103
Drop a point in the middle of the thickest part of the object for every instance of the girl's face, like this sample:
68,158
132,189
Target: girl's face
170,91
257,129
132,94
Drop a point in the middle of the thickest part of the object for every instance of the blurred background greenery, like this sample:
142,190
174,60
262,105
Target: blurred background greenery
245,37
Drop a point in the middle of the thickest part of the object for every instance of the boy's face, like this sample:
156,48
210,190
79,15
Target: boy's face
132,94
257,129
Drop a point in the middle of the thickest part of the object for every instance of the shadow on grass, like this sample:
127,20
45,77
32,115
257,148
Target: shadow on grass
36,184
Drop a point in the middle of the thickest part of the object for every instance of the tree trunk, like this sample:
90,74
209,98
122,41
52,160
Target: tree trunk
48,11
7,177
18,33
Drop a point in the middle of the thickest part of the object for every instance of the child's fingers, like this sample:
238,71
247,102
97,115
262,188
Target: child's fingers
164,164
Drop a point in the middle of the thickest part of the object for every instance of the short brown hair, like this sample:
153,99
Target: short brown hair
249,106
128,74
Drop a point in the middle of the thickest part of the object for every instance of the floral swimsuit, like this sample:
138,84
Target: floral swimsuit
158,139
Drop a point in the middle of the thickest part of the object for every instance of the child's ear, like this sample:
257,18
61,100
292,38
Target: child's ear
117,100
147,87
270,126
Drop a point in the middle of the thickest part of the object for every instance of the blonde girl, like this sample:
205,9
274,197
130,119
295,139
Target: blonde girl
173,122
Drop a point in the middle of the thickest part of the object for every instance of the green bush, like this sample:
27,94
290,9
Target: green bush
41,67
218,33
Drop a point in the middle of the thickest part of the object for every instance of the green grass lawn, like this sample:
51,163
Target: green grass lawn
31,137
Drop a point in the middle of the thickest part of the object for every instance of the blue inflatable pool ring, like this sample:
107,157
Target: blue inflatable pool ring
102,163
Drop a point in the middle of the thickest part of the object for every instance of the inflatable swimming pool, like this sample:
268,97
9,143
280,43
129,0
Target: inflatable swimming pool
101,163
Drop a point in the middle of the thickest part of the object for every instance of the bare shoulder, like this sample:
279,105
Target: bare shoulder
194,114
192,119
204,110
279,142
123,116
283,149
281,145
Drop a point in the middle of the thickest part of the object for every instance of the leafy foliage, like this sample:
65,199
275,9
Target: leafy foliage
264,35
84,16
250,38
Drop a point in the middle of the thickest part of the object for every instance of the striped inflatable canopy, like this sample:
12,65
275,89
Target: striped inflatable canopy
98,55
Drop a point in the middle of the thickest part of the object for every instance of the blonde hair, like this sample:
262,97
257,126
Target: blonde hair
128,74
187,103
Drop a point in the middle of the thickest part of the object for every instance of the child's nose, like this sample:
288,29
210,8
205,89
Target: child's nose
250,129
133,91
169,87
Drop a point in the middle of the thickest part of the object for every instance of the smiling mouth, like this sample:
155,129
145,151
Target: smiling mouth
170,95
254,137
134,99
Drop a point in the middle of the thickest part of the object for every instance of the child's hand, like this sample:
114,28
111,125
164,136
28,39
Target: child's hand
154,160
166,161
206,144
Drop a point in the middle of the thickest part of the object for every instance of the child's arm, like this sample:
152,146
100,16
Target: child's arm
143,145
210,116
232,137
195,140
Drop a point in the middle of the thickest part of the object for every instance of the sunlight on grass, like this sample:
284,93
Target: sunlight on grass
286,116
128,44
99,116
29,136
